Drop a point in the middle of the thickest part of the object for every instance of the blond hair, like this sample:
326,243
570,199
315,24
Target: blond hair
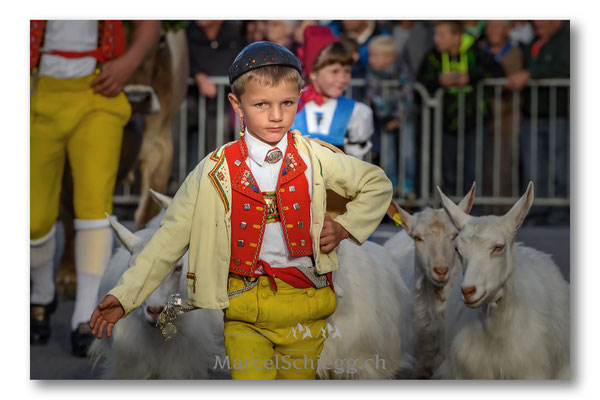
382,44
268,75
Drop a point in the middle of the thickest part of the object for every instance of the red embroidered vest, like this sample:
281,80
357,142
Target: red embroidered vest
111,40
249,208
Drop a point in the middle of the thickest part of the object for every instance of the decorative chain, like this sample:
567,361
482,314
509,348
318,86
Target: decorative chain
173,309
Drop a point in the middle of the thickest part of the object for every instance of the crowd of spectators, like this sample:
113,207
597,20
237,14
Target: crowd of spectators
453,55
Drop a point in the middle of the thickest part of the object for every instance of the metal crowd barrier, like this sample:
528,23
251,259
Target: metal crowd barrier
431,132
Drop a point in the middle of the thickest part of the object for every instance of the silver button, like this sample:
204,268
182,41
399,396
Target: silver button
237,162
222,298
300,224
237,261
292,188
246,206
296,206
243,225
240,243
302,243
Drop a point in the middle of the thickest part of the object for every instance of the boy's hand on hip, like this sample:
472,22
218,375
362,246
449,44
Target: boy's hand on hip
108,312
115,74
332,234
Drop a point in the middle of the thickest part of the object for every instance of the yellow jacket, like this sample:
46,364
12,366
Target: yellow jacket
199,219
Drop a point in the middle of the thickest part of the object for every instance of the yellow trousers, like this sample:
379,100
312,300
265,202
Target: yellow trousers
276,335
67,118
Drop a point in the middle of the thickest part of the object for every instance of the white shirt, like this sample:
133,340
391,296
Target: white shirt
274,250
360,126
69,36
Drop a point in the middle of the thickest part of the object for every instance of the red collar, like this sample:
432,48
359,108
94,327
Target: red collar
310,93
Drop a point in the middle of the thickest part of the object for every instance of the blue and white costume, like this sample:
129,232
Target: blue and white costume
343,122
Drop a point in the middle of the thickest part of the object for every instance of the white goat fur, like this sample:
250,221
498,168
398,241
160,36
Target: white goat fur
137,349
372,315
518,326
429,297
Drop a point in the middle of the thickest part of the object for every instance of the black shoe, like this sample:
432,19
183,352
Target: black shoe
81,340
39,321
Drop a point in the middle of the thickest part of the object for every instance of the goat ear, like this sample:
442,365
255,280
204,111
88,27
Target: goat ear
400,216
126,237
162,200
516,215
458,217
467,202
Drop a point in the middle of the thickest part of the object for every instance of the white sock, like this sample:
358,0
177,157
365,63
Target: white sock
93,249
41,266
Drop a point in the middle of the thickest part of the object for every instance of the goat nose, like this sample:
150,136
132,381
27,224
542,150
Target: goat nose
440,271
468,291
154,310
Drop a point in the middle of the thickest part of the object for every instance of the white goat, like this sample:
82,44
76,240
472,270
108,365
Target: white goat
428,263
516,321
137,349
372,317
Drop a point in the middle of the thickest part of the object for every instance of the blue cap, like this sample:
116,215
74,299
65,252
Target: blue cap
261,54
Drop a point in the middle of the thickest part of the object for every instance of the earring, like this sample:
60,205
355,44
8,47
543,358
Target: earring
242,126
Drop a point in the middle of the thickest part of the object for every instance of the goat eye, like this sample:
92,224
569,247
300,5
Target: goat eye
498,249
418,238
178,268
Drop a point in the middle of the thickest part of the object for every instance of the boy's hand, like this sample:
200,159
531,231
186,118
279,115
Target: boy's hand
332,234
462,79
447,79
114,76
108,312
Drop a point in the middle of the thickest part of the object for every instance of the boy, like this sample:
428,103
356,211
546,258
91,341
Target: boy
324,112
391,105
456,64
253,216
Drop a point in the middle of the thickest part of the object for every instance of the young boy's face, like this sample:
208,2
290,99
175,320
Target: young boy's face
332,80
445,38
379,60
268,111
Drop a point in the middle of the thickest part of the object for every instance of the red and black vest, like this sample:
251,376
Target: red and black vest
111,42
250,207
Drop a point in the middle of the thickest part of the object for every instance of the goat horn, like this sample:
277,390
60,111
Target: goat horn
162,200
126,237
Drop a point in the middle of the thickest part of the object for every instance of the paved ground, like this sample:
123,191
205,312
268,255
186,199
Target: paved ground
54,360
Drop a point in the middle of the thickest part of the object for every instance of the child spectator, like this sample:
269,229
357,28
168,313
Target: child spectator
390,106
456,65
497,43
324,112
253,217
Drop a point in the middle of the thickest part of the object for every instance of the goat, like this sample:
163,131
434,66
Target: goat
428,263
137,349
516,321
372,317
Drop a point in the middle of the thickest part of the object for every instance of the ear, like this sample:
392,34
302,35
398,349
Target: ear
162,200
400,216
127,238
458,217
516,215
236,104
467,202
